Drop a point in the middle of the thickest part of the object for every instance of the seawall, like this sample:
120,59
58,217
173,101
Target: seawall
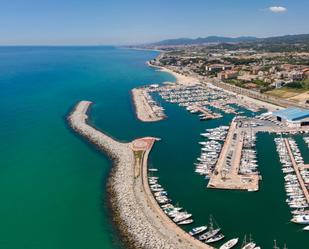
140,221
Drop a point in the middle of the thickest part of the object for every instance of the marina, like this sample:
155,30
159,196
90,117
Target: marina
81,171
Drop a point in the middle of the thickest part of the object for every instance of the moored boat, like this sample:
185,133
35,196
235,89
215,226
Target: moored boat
230,244
197,230
215,238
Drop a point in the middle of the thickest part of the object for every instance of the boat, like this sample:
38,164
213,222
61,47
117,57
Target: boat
248,245
185,222
211,233
215,238
230,244
152,170
197,230
306,228
181,217
301,219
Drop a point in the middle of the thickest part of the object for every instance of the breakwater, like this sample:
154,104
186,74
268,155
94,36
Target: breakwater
139,219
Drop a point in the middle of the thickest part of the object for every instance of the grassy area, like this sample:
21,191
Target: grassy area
285,92
138,155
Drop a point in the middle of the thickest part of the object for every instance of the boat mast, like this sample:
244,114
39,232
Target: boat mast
275,245
211,225
244,242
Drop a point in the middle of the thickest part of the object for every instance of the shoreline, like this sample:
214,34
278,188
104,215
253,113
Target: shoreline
137,216
184,80
180,78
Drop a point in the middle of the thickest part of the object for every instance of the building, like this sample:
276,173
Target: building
306,73
296,75
226,75
293,117
218,67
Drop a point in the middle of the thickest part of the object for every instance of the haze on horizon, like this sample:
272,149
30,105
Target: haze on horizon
118,22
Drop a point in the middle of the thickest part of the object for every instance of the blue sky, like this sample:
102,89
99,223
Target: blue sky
138,21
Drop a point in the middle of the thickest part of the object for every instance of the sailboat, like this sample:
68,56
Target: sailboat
248,245
231,243
275,245
211,232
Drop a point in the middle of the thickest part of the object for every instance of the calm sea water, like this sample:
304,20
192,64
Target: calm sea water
52,183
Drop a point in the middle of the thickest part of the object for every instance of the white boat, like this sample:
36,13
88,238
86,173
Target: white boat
250,245
231,243
181,217
306,228
301,219
152,170
185,222
211,233
215,238
197,230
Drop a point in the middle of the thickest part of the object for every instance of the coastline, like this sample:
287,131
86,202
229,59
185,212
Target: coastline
138,217
191,80
180,78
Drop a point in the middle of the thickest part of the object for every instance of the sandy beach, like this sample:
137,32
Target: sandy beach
180,78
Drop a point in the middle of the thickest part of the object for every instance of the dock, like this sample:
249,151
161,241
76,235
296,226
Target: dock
297,170
230,178
147,110
207,113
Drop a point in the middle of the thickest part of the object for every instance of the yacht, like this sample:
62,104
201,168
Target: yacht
230,244
215,238
197,230
301,219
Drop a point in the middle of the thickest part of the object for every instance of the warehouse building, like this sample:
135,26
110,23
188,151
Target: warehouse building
293,117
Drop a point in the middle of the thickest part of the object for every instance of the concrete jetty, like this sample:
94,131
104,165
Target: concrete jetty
297,170
231,179
139,218
146,109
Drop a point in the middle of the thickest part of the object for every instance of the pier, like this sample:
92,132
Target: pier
135,211
229,178
207,114
297,170
147,110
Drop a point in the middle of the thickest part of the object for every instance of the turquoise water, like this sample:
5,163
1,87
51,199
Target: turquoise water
52,182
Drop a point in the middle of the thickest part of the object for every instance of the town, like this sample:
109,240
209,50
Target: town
283,75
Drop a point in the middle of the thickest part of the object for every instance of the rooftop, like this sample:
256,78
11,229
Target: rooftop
292,114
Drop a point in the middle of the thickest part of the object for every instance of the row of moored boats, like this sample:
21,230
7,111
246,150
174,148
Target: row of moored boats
295,196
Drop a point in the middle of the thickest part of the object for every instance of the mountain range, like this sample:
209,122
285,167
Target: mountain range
302,38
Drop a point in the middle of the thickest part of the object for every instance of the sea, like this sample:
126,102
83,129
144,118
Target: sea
53,182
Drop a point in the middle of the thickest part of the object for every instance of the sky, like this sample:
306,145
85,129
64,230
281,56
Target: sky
119,22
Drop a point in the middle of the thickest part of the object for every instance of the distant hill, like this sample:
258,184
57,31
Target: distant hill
287,39
206,40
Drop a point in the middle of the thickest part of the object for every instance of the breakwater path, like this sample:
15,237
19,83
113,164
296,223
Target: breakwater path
139,218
